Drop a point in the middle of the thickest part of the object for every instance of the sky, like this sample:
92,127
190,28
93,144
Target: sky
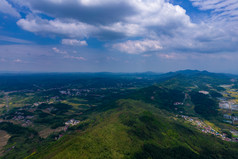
118,35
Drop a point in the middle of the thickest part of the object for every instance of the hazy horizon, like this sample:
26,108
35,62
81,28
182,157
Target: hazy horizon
105,72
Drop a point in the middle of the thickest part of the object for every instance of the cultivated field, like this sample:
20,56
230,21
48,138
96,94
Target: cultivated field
3,140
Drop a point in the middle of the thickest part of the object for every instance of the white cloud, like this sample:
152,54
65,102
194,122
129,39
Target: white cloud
68,28
138,46
7,8
66,55
74,42
171,56
18,61
221,9
139,18
56,50
74,58
152,18
159,20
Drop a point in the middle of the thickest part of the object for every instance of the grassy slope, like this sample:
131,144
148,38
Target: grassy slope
137,130
22,140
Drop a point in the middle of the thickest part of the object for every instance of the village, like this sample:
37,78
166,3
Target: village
205,128
25,115
229,105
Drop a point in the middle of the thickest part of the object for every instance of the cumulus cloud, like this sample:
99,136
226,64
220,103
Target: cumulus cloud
87,11
138,46
68,28
74,42
167,24
7,8
139,18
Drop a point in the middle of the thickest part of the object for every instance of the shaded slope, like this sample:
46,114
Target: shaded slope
159,96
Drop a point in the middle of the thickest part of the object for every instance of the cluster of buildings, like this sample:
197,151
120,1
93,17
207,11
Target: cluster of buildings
207,129
230,107
94,92
27,108
77,92
224,104
178,103
229,104
72,122
204,92
21,116
231,119
39,103
25,120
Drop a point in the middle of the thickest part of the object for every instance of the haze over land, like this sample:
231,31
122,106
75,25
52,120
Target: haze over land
118,36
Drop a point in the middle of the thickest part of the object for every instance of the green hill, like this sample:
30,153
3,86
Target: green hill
134,129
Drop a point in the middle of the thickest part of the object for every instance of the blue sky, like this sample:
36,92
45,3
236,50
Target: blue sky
118,35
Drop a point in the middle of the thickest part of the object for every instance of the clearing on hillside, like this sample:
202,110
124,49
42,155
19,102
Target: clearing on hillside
3,140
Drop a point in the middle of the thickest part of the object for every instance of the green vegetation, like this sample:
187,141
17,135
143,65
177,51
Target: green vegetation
120,115
215,94
204,105
160,96
137,130
22,141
